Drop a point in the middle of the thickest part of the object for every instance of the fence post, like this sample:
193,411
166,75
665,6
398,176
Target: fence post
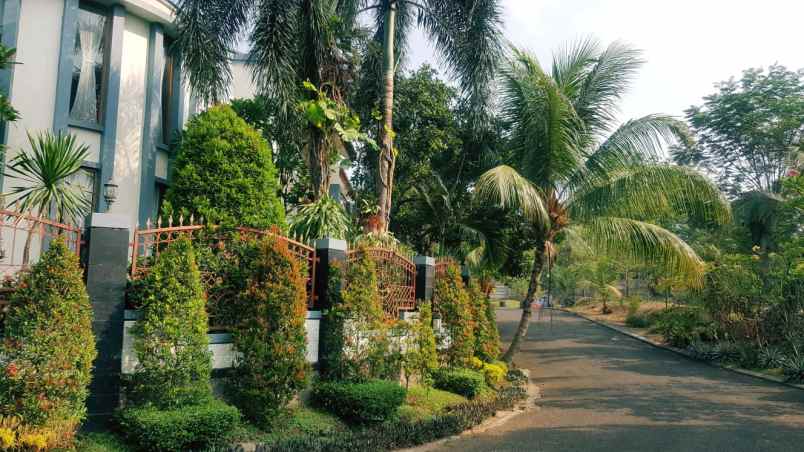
466,275
330,252
425,277
106,271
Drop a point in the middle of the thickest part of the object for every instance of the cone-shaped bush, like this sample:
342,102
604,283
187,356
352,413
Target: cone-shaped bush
47,353
487,337
225,173
170,339
452,302
269,333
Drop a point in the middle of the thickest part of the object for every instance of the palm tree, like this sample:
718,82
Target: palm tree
468,36
292,41
576,177
46,181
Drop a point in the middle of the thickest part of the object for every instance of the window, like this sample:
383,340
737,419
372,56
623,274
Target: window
168,103
86,95
159,198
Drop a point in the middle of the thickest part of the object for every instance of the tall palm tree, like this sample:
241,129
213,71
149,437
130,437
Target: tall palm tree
576,176
46,187
467,34
292,41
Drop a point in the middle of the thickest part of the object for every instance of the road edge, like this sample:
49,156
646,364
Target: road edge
683,352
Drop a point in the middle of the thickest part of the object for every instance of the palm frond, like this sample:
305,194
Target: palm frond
505,187
639,242
207,33
468,35
603,86
546,133
323,218
571,64
653,192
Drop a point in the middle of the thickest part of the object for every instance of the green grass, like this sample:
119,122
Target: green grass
100,442
423,403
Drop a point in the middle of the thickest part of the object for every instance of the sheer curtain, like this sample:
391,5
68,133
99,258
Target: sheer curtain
85,105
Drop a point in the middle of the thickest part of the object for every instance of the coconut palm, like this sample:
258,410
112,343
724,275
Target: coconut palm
576,176
292,41
45,176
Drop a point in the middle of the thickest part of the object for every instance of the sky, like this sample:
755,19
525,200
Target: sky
688,45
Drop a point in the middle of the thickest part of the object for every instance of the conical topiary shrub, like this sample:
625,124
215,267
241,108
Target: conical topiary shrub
47,353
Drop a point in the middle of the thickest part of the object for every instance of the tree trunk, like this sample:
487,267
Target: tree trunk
527,312
387,159
318,161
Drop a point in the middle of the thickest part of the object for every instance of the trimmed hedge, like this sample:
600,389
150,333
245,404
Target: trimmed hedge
188,428
401,433
465,382
452,302
373,401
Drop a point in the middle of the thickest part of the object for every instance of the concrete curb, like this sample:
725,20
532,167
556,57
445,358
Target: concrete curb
683,352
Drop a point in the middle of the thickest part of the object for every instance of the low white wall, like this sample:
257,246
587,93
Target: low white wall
223,353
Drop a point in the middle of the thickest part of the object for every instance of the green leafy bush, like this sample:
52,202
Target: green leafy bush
494,372
269,334
466,382
771,357
224,172
324,217
170,339
372,401
487,337
47,353
190,427
355,335
404,433
793,368
421,358
681,326
452,303
638,321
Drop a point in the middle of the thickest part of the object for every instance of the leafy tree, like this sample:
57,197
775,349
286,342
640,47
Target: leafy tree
292,41
48,349
566,183
224,172
170,339
285,132
749,136
468,37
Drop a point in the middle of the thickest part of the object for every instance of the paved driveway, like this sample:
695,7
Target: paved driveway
602,391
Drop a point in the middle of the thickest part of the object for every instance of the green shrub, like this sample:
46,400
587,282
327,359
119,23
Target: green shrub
793,368
638,321
487,337
372,401
170,339
633,305
404,432
269,334
421,358
47,353
324,217
452,303
681,326
190,427
466,382
355,335
224,172
771,357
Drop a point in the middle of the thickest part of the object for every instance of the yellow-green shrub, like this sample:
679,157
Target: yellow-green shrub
453,304
493,372
487,337
48,350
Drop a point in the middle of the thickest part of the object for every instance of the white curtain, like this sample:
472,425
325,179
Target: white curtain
85,107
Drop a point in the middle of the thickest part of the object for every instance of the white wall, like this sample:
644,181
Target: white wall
242,85
130,117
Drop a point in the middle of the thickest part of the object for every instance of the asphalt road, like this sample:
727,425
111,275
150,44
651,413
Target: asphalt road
602,391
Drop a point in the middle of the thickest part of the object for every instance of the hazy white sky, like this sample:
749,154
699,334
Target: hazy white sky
688,44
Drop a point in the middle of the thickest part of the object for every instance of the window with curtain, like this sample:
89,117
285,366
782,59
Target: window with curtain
86,99
168,104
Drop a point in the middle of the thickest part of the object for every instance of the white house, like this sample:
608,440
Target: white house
99,70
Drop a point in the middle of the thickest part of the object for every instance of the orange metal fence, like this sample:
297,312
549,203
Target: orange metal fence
396,277
23,238
152,240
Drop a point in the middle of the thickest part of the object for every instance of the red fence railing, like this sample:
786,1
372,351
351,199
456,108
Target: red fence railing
149,242
24,237
441,265
396,278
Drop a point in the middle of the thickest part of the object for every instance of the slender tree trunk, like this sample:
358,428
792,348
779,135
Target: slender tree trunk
318,160
527,311
387,159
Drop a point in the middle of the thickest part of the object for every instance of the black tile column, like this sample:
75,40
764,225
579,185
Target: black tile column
425,277
330,252
107,268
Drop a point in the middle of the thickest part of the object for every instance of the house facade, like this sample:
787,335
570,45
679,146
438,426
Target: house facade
101,70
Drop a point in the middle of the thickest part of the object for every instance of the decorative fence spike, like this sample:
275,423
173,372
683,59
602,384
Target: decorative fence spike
148,223
192,219
159,221
170,221
181,219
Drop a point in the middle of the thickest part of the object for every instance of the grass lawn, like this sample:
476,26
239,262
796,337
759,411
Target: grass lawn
423,403
100,442
302,420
